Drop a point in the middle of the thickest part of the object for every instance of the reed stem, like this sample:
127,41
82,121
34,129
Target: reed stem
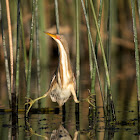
30,50
57,16
102,49
105,62
5,58
93,50
139,9
77,49
89,45
38,52
136,51
23,46
10,44
96,48
92,108
93,76
108,56
18,48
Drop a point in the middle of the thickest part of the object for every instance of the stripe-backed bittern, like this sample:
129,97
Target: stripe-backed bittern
63,81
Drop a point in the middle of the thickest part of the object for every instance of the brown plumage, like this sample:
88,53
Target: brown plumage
63,81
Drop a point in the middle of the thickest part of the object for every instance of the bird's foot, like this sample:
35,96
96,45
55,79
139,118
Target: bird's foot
90,99
76,101
30,102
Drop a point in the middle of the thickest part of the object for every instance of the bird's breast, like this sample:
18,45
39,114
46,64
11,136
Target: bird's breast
60,95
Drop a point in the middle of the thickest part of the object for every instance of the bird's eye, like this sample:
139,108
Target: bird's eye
58,37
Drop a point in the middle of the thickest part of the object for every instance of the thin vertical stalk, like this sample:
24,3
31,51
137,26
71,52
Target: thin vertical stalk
37,51
17,50
93,50
108,56
57,16
77,48
77,63
10,44
5,58
96,48
89,45
102,49
139,9
93,76
24,47
136,51
92,108
105,62
30,50
44,50
44,53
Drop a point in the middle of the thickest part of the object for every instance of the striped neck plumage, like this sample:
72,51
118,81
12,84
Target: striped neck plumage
63,62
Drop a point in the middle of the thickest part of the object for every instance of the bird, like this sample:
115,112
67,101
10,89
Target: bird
63,82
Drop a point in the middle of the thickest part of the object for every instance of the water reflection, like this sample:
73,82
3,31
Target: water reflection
58,134
50,126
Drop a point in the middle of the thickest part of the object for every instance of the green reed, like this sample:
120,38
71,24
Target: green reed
89,45
23,46
44,53
93,50
139,9
108,57
93,74
18,48
92,97
104,61
37,50
96,47
30,50
136,51
57,16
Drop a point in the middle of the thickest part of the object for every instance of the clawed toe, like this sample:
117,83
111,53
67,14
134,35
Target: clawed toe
30,103
29,99
76,101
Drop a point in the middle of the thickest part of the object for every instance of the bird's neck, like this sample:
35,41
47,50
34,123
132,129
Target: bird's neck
64,64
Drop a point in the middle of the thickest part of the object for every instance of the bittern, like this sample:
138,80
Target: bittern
63,82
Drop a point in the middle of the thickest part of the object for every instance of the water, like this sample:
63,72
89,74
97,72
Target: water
48,125
55,123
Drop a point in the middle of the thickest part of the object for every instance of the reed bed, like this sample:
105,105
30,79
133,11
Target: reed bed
93,67
90,23
94,55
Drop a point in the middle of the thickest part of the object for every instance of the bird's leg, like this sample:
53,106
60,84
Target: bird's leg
31,102
74,95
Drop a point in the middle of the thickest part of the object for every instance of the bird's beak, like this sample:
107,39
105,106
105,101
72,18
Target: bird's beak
51,35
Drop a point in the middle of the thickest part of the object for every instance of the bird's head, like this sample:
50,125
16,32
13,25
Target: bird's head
60,40
56,37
